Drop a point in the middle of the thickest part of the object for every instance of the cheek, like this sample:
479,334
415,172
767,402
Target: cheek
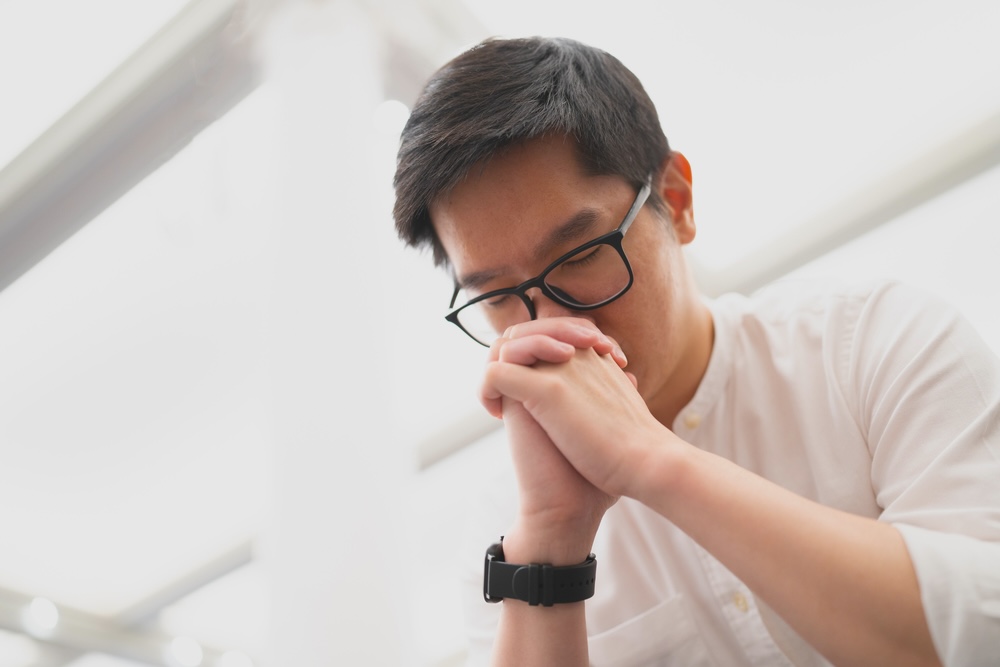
647,317
654,284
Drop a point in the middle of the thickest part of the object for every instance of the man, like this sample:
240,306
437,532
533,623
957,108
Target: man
807,477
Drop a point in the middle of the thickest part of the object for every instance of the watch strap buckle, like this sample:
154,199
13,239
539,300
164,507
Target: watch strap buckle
536,583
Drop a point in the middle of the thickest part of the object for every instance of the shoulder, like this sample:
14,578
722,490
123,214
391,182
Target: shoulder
834,304
851,329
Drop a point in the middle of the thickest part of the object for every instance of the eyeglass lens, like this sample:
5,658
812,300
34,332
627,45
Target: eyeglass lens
590,277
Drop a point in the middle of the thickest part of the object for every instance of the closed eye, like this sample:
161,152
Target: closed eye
499,301
583,259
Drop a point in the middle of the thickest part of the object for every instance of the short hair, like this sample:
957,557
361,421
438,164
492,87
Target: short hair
507,91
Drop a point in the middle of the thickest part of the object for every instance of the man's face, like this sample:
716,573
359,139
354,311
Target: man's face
521,210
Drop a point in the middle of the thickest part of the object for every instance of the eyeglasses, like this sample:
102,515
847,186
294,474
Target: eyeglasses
587,277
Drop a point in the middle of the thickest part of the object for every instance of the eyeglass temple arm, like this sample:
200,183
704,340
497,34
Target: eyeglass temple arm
640,199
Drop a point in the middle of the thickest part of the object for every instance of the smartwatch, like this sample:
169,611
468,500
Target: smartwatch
536,584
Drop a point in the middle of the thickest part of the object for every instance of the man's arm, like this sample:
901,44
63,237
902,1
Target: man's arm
845,583
557,519
536,635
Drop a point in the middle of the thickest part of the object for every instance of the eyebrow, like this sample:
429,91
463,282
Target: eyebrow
576,227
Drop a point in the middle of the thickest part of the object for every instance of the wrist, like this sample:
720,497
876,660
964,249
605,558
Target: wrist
662,476
559,543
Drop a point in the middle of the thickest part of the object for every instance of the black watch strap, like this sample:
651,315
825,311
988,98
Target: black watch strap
537,583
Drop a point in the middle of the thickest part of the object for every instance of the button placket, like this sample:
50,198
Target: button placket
741,613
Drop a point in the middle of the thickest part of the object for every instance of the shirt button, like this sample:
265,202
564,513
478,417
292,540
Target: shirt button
692,420
740,601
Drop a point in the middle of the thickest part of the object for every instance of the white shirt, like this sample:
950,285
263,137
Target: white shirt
877,400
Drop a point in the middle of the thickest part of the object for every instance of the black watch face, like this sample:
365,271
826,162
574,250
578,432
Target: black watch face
493,553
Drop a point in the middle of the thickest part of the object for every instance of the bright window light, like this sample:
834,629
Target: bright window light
41,617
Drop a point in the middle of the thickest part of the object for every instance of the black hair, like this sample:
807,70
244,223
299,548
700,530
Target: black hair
504,92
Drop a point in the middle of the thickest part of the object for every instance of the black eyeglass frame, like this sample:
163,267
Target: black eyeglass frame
613,238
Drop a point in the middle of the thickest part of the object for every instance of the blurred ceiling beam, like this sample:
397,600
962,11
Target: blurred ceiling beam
79,632
146,610
131,634
54,656
188,75
963,156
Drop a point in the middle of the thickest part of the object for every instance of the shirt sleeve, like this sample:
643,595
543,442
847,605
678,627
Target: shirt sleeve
960,589
928,393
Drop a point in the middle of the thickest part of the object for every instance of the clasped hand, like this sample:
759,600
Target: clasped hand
577,427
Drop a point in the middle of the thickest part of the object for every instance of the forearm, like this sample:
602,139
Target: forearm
543,636
845,583
557,520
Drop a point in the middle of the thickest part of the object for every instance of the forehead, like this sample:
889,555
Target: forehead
497,216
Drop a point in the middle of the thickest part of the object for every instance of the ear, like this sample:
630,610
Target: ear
675,189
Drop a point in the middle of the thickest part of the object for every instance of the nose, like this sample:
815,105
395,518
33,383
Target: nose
546,307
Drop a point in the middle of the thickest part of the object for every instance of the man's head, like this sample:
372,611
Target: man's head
521,151
502,93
